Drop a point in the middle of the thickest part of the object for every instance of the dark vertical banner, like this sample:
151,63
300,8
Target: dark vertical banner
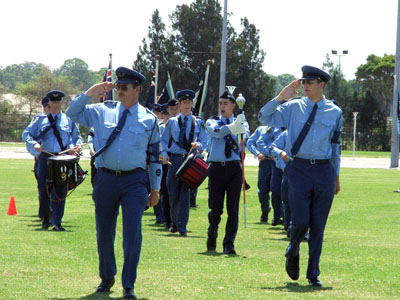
150,97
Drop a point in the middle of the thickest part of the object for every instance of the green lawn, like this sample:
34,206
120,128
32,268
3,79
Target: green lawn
360,258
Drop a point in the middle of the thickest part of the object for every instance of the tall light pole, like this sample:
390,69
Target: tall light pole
394,157
355,113
344,52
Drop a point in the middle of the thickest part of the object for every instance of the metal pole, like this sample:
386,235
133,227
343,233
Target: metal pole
222,74
354,134
156,81
240,100
394,158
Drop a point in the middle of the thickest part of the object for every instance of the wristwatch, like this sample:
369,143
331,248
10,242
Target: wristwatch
155,191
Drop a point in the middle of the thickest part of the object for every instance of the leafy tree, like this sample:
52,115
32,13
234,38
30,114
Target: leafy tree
12,75
376,91
77,73
44,81
196,38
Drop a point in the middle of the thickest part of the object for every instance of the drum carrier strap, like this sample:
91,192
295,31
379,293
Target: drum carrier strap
56,132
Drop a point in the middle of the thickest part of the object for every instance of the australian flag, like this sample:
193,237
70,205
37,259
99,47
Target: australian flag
108,77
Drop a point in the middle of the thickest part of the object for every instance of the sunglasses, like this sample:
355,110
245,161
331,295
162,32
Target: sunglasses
123,87
309,81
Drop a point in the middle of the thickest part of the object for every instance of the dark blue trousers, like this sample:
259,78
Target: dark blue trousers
57,193
224,180
285,200
311,192
276,180
109,193
179,196
264,183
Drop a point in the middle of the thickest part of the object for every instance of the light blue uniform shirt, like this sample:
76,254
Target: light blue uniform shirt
217,130
129,150
90,140
172,130
279,145
69,134
326,127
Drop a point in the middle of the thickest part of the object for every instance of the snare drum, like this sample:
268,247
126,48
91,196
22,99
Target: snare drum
193,171
62,169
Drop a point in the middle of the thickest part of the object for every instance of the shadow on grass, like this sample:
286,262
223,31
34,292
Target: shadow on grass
294,287
96,296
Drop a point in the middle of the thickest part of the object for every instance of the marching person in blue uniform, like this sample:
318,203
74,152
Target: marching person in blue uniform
92,152
264,167
278,148
276,174
29,147
158,209
53,133
225,172
164,197
314,125
180,135
128,138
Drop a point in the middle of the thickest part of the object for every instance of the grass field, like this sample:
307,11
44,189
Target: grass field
360,258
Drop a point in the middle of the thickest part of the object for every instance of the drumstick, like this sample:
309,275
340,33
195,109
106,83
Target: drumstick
62,152
44,151
190,151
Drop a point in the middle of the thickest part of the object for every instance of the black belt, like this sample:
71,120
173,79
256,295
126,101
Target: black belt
225,163
178,155
313,161
121,173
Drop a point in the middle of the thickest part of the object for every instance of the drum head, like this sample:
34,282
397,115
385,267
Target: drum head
64,157
186,163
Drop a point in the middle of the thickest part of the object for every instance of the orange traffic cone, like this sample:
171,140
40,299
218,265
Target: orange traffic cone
12,209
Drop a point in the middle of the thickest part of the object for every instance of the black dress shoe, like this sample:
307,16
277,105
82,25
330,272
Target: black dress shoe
58,228
211,244
229,251
46,222
173,229
264,217
183,234
129,294
315,282
276,221
292,266
105,285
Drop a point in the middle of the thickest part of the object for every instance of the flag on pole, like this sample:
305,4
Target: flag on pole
150,97
108,77
167,92
201,94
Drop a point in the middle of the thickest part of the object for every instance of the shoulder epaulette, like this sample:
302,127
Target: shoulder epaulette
109,103
214,117
150,112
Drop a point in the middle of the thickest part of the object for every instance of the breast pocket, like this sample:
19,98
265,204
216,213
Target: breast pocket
138,135
325,126
107,130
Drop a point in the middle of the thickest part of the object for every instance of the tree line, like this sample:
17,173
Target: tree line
195,38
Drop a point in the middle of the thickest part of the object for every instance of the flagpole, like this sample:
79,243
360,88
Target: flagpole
156,82
205,86
112,79
170,84
222,74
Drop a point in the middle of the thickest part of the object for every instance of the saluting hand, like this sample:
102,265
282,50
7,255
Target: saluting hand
99,90
289,91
